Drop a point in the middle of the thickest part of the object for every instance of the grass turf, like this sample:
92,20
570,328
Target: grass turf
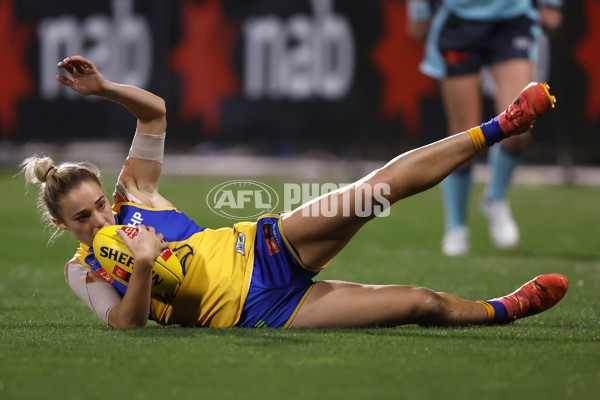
53,347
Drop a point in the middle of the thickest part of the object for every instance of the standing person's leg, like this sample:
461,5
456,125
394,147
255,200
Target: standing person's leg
461,97
505,156
511,47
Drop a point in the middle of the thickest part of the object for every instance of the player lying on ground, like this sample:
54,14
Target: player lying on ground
261,273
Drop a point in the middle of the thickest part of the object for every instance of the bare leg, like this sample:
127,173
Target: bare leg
510,77
461,96
505,157
318,238
344,304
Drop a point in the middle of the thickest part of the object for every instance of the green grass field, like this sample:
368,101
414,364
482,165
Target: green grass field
53,347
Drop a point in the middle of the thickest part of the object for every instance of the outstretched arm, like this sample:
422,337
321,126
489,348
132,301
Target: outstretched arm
86,79
139,176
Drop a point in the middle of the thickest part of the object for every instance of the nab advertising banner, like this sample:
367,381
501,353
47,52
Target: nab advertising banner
280,76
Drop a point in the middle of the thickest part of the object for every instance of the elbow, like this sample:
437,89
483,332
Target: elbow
138,324
160,116
119,320
159,111
161,107
132,324
155,115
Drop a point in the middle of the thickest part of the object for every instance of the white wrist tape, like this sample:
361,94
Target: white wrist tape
147,147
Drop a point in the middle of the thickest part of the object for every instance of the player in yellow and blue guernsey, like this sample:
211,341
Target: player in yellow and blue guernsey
261,274
463,37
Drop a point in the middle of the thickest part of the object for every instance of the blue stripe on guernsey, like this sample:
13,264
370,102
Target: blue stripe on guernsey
174,225
95,264
279,282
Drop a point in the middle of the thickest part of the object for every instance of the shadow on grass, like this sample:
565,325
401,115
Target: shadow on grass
558,332
548,332
258,336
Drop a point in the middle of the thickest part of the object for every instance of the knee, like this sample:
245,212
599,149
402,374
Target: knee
428,305
383,178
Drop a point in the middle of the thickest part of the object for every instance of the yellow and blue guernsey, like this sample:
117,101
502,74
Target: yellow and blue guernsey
217,266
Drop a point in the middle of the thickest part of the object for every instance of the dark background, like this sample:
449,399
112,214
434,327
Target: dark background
210,37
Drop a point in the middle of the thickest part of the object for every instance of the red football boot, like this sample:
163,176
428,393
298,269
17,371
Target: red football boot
537,295
534,102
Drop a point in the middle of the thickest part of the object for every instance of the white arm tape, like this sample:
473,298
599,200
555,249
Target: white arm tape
121,190
100,297
147,147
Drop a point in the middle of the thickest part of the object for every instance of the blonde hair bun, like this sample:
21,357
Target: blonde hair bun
36,169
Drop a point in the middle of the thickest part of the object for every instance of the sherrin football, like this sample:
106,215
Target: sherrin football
117,260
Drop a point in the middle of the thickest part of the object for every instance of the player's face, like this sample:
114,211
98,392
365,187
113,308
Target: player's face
85,210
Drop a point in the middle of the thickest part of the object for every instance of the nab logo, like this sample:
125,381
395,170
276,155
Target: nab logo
242,199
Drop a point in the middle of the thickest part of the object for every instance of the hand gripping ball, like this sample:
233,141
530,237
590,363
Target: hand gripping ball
118,261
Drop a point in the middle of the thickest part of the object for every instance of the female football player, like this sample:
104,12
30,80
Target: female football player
261,273
463,37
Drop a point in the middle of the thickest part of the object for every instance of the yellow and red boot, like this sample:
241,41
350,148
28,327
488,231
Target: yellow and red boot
533,102
537,295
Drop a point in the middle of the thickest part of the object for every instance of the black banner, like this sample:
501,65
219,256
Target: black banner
279,76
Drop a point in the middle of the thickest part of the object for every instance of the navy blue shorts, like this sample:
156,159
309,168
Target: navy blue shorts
279,283
458,46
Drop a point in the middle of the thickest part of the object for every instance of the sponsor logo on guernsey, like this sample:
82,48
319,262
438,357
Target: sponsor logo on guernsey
130,231
105,275
270,240
241,242
136,219
166,254
121,273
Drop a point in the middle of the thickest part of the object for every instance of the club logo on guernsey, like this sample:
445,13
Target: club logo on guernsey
242,199
271,241
241,242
